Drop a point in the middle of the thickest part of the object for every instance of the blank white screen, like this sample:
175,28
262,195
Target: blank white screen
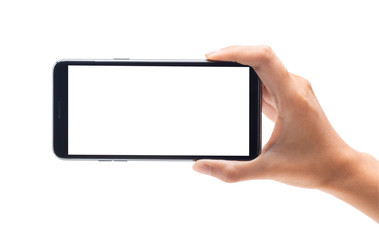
151,110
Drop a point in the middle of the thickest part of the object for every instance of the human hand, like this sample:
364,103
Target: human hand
304,150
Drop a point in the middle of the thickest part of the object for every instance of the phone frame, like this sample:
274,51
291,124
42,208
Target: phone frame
60,108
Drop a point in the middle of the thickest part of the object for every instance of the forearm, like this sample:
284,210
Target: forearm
358,184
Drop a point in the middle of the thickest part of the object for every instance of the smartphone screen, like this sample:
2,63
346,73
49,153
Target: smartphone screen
133,110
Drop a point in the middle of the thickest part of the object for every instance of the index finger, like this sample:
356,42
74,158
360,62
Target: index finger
267,65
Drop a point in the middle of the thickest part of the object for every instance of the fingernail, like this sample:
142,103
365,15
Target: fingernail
204,169
212,52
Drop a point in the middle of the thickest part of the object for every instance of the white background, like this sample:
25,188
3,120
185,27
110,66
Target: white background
334,44
139,110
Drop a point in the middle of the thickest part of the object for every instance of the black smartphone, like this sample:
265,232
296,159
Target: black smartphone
124,109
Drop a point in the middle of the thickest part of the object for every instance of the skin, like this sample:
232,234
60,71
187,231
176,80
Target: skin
304,150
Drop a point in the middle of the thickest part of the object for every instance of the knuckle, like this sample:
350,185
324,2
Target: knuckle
307,85
304,99
304,86
267,52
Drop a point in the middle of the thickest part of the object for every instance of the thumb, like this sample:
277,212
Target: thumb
231,171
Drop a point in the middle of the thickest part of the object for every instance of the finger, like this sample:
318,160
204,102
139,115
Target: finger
231,171
268,107
264,61
269,110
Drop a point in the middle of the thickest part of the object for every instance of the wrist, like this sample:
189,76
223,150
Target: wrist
345,167
356,181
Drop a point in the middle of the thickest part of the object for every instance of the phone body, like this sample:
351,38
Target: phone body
130,109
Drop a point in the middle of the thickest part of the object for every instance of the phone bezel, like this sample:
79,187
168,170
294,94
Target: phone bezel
60,108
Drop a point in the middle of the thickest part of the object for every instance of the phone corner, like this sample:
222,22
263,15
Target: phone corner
58,153
58,63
